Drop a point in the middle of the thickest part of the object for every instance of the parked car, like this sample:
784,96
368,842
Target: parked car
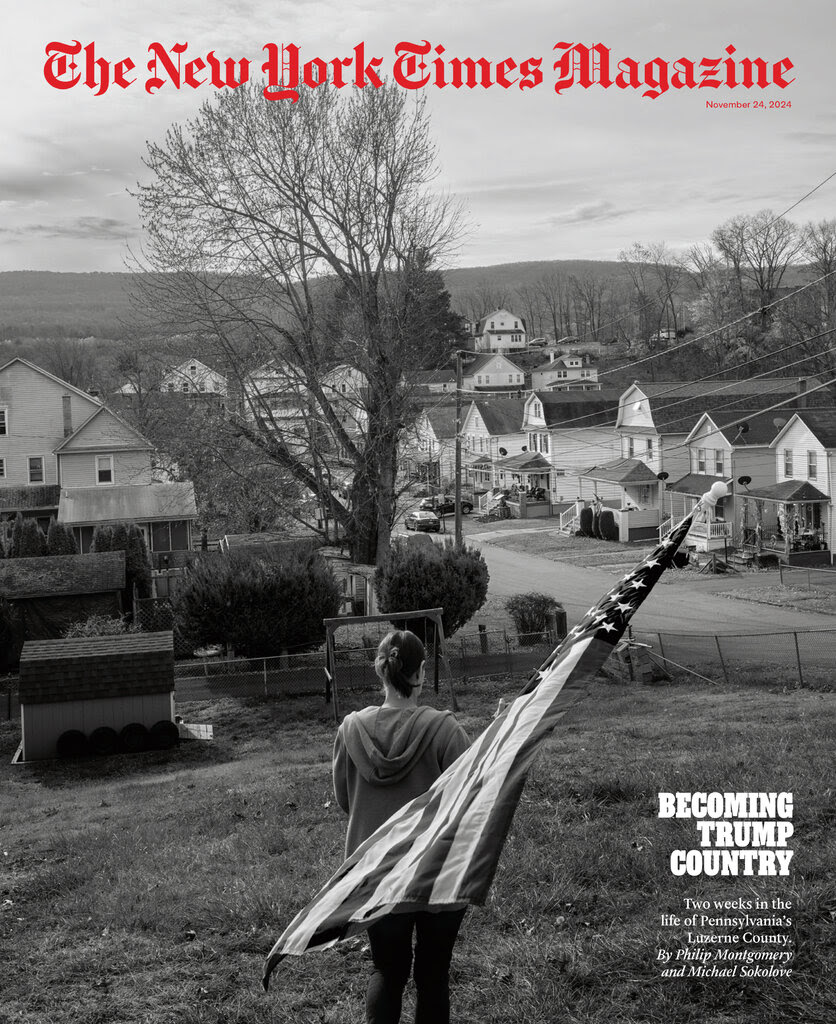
422,519
444,504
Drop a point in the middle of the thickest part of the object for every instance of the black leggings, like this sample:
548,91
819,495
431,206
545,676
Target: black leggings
391,942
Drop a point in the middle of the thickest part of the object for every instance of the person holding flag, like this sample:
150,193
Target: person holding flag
384,757
440,851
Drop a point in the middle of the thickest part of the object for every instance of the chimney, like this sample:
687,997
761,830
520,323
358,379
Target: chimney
802,392
68,415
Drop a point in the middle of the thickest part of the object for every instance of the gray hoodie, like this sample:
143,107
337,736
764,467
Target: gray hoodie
385,757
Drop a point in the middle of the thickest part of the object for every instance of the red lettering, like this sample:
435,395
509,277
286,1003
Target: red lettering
282,70
119,73
364,70
161,56
228,77
532,75
57,65
709,68
778,72
501,76
407,65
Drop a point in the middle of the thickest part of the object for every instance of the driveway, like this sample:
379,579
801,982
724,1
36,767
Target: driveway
670,608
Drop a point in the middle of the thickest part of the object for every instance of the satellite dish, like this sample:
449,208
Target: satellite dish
744,480
525,447
779,421
662,476
503,451
743,428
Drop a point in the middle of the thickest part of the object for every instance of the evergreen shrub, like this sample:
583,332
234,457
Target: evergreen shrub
259,606
433,576
609,527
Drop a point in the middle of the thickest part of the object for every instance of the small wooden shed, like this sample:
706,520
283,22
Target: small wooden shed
90,683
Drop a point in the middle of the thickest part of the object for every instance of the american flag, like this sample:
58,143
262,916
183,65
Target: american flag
442,849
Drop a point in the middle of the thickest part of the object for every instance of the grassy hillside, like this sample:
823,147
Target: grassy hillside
149,888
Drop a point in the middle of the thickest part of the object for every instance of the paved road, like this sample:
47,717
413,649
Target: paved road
670,608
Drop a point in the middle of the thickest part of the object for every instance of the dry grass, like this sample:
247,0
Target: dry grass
148,889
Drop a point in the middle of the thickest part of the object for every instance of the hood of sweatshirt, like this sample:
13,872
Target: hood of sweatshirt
384,746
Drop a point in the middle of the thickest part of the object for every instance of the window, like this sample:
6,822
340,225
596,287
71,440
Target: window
788,463
479,379
719,462
193,370
532,442
516,324
2,468
650,447
492,324
812,466
184,387
4,422
36,469
510,378
631,448
544,443
104,469
701,460
538,409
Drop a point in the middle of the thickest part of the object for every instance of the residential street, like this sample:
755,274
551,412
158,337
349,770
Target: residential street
671,608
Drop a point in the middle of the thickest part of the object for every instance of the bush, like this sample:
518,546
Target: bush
448,577
609,528
99,625
586,522
530,613
32,540
11,636
260,606
60,539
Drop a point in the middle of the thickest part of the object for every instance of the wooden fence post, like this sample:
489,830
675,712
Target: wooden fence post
798,661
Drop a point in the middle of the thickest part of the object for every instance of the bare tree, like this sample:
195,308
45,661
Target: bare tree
256,213
758,249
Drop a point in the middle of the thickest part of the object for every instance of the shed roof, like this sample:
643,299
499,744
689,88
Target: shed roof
622,471
696,483
127,503
788,491
43,496
526,462
62,575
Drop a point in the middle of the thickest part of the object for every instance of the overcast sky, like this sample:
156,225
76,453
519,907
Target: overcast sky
577,175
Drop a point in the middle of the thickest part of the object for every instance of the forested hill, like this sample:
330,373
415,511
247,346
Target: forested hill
41,304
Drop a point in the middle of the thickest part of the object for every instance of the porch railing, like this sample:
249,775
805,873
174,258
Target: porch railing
713,531
664,527
570,518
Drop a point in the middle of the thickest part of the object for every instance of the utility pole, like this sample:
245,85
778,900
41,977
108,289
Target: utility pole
457,497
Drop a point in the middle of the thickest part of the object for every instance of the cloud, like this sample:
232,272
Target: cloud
594,213
813,138
82,229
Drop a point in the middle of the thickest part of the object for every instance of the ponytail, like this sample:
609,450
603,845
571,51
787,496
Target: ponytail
398,660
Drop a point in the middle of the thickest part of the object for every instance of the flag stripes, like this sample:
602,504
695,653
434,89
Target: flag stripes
442,849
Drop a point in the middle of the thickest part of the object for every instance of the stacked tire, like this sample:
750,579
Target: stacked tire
131,739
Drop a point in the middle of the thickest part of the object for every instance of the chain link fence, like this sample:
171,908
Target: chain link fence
791,659
807,576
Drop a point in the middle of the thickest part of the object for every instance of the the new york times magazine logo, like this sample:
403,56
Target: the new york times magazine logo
739,833
413,66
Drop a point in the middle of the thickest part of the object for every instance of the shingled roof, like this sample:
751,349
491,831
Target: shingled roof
504,416
62,575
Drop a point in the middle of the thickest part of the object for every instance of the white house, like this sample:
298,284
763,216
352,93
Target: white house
573,430
428,452
491,435
801,500
500,331
493,372
192,377
64,454
564,371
